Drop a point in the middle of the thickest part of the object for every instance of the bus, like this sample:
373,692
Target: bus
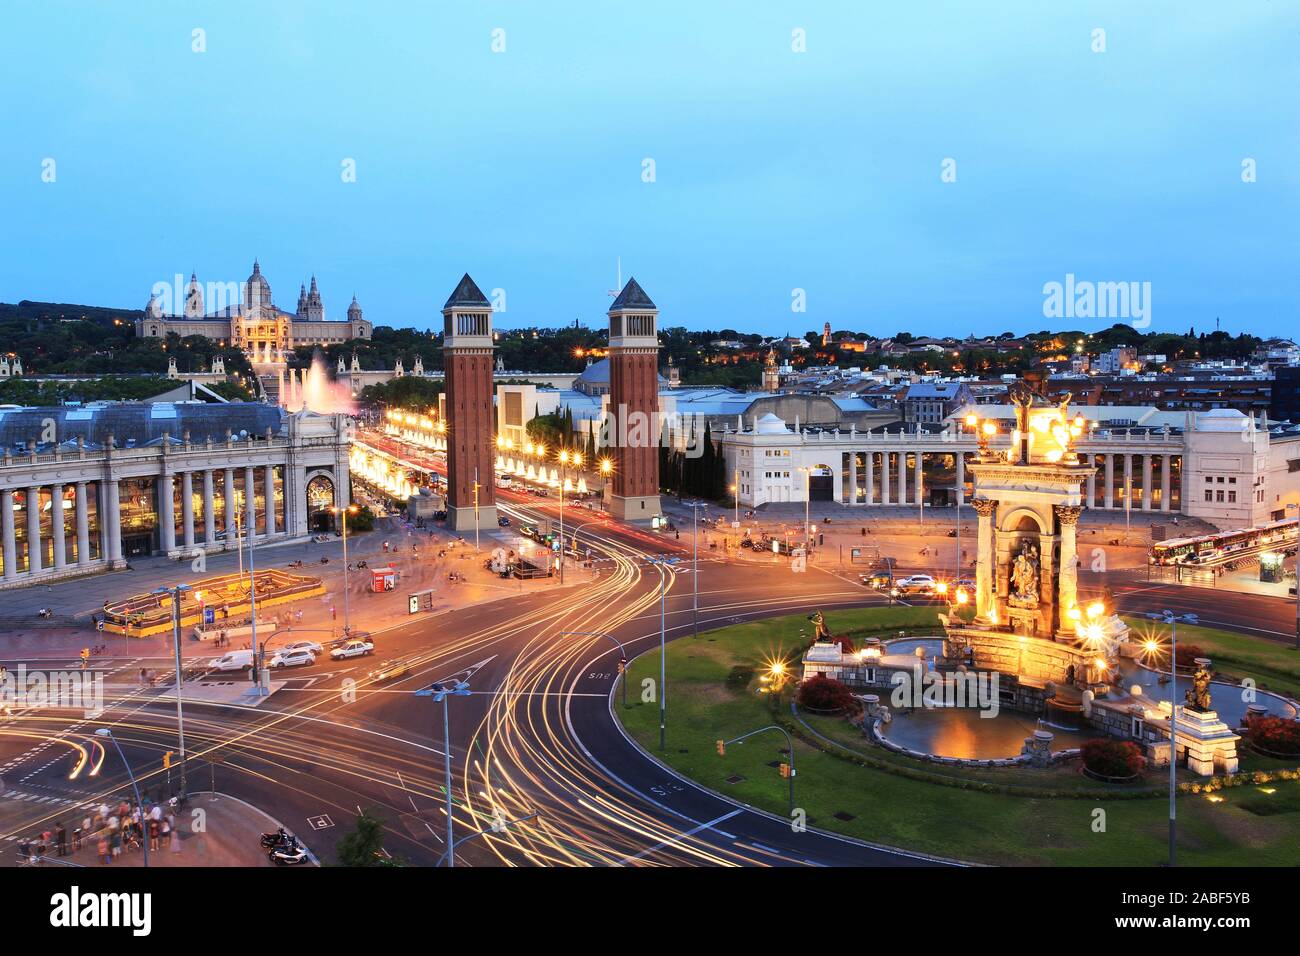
1207,550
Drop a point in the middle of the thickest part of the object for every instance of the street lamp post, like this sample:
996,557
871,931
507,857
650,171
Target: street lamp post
663,562
1172,619
176,593
695,567
565,458
343,513
106,732
450,852
1297,581
440,692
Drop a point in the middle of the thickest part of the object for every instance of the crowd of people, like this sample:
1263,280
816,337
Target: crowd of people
110,830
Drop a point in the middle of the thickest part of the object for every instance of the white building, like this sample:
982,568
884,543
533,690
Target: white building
128,479
1217,465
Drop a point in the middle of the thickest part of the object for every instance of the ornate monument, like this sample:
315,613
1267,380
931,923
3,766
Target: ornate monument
1028,617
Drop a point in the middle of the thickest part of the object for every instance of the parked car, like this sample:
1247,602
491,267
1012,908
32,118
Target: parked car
353,648
286,658
233,661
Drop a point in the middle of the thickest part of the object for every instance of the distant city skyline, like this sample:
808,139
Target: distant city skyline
939,170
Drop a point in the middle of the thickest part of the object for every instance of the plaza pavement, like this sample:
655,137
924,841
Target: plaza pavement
23,635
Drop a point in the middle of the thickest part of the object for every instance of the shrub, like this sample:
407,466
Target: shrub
1275,735
1112,758
823,693
1187,654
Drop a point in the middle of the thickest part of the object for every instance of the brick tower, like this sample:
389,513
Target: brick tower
467,351
634,404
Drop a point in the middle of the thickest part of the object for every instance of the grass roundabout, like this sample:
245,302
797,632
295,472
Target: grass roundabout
1009,816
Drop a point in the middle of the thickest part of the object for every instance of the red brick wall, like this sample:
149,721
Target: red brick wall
469,427
634,387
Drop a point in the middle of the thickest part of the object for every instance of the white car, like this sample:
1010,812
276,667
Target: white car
312,646
234,661
288,658
352,649
915,582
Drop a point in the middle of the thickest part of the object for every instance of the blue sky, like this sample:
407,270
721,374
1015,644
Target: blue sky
774,170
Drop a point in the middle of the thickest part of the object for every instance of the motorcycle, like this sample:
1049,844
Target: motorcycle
292,853
280,837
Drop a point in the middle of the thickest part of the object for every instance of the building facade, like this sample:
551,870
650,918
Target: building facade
634,404
1219,465
244,315
85,489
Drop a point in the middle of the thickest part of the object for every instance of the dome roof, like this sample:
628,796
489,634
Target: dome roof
769,424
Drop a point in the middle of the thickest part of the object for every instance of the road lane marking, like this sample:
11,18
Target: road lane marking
680,837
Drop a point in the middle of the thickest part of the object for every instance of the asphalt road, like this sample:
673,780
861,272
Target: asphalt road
536,735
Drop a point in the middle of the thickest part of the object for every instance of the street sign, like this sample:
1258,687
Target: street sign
209,615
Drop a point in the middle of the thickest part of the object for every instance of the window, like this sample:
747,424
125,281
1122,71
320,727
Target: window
1218,497
1209,495
1232,497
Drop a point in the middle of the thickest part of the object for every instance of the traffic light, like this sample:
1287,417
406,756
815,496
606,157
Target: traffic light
785,771
722,748
167,760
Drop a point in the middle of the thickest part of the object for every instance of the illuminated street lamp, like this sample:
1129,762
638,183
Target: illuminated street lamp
106,732
565,458
343,514
1172,619
440,692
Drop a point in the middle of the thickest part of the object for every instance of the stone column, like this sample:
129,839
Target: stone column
1128,481
166,514
871,478
83,526
7,529
34,529
112,519
919,476
187,510
228,493
984,602
56,527
1146,482
1068,517
902,477
884,477
1165,462
1109,490
961,478
1092,485
269,482
250,504
209,510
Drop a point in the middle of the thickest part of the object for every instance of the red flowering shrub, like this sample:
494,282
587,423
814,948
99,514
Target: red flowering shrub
1187,654
820,692
1275,735
1112,758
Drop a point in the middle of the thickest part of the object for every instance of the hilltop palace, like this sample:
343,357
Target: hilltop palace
245,316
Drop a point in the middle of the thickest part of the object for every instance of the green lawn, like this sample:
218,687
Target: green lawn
1274,666
712,695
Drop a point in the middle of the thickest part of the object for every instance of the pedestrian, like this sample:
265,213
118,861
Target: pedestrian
105,855
143,673
115,843
153,834
166,827
25,851
61,839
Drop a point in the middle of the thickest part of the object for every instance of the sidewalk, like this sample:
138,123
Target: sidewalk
230,833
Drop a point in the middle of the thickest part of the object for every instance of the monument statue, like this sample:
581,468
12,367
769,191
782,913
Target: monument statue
1022,397
823,633
1024,577
1198,698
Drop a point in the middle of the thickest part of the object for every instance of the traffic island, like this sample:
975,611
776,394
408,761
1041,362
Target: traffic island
1026,815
